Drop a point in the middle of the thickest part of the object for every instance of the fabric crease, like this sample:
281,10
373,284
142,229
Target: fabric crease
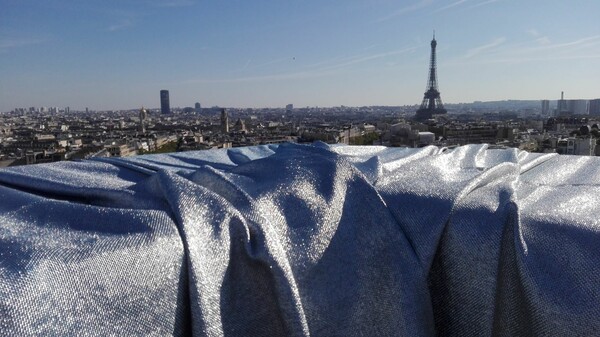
299,240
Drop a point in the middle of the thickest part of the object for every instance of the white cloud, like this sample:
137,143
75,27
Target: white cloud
343,61
539,49
364,58
407,9
120,25
544,57
484,3
454,4
11,43
271,62
478,50
271,77
247,64
543,40
586,41
324,70
174,3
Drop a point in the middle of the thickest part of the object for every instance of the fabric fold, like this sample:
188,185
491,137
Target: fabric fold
296,240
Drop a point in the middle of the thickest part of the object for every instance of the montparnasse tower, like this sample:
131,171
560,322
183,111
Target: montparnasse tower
432,102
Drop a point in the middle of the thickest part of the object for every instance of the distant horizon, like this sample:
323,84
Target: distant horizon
104,54
295,105
79,109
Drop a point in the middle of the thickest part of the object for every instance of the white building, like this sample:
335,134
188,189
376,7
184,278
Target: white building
426,138
594,107
581,146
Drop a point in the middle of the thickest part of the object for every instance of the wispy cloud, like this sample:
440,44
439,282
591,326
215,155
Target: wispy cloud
461,2
454,4
404,10
365,58
544,57
478,50
271,62
174,3
250,65
247,64
261,78
536,49
123,24
344,61
533,32
326,68
7,43
586,41
483,3
543,40
538,38
543,44
330,61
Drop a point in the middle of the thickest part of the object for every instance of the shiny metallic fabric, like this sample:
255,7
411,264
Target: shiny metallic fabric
295,240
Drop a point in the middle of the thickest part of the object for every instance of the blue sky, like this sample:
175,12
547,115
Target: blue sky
256,53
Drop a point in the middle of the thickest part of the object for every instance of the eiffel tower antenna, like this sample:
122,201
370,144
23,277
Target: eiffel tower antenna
432,101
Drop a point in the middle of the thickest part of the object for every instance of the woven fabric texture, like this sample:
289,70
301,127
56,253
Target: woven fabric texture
296,240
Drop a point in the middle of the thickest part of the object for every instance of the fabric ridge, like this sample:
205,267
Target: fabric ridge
303,240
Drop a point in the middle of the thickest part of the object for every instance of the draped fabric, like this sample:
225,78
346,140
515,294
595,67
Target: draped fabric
294,240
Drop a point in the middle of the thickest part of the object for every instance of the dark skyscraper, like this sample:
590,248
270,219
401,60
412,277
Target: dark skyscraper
545,107
432,102
595,107
165,107
198,107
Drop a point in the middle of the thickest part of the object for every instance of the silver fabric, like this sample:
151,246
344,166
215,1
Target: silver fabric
295,240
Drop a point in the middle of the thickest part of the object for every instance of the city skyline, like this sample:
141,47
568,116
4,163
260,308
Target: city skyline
112,55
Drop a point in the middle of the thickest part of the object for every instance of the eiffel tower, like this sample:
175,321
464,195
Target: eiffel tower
432,102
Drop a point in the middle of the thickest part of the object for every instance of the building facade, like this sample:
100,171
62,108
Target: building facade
165,106
577,106
545,107
594,107
224,121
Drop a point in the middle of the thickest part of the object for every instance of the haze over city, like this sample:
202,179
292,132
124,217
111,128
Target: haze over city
119,54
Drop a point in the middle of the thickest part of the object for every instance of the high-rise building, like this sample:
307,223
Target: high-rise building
545,107
198,107
569,107
224,121
561,106
289,107
165,106
432,102
577,106
595,107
